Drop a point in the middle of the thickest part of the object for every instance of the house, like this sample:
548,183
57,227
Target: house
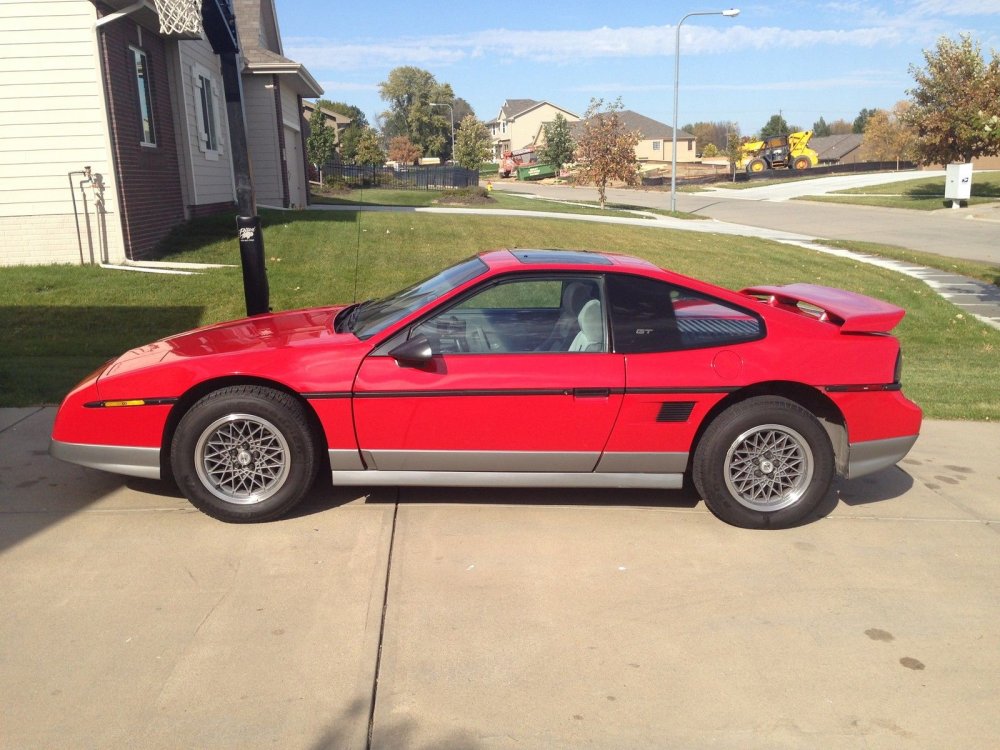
518,122
273,90
339,122
656,139
111,132
837,149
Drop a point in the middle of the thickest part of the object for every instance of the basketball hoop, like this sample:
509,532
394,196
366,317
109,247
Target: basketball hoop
180,18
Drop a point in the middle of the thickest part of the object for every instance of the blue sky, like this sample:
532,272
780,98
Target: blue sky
806,59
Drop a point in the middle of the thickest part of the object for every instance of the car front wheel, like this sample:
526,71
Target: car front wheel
764,463
244,454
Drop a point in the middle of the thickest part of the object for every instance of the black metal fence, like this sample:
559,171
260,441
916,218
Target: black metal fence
790,174
399,178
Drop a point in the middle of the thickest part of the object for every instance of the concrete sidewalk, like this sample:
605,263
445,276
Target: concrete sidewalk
466,619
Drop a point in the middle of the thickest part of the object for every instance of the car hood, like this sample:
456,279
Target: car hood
259,333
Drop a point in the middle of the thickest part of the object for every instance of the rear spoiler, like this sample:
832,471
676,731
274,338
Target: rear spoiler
854,313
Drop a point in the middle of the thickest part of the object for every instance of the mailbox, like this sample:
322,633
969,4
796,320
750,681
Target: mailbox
958,184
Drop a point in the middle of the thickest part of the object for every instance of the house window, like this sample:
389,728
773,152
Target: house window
207,108
690,145
208,114
656,145
147,131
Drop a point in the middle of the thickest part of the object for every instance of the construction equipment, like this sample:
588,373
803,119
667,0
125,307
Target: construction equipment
790,151
511,160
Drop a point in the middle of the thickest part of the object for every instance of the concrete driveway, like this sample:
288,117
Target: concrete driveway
467,619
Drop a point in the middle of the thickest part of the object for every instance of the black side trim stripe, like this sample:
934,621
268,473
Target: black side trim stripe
579,392
863,388
119,402
672,391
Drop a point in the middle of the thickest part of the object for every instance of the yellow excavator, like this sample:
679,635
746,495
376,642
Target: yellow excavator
789,151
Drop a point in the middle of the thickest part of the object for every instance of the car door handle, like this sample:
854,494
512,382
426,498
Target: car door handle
591,392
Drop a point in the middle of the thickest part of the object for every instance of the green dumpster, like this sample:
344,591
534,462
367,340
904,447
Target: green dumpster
536,171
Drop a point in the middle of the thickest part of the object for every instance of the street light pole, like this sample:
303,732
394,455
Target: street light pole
452,111
729,13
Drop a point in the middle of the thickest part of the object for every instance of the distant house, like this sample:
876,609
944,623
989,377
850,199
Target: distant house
112,132
335,120
656,138
273,90
518,122
837,149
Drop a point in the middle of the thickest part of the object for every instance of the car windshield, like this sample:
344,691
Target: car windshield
374,316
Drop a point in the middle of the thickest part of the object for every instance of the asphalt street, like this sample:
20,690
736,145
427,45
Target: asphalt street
972,233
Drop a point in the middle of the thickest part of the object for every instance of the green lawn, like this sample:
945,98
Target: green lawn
920,194
60,322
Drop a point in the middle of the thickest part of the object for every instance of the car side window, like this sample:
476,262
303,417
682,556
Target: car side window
522,316
652,316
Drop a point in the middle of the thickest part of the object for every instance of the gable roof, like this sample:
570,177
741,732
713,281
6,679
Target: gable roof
835,147
649,128
260,45
514,107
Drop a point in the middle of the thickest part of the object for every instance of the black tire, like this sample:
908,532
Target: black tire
244,453
764,463
801,162
755,166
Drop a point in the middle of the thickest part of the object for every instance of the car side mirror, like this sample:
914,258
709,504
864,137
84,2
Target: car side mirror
414,352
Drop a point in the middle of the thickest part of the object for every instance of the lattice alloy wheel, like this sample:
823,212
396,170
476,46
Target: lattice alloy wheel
768,467
242,459
765,462
245,453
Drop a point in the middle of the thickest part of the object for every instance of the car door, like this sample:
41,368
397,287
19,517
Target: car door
487,399
684,352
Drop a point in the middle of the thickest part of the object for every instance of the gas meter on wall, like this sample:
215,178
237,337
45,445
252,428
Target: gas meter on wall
958,184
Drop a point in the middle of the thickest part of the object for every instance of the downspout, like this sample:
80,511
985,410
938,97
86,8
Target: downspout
76,216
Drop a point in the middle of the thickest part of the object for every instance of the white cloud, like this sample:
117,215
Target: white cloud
958,8
347,86
573,46
861,81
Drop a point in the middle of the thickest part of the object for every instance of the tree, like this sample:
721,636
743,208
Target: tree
820,128
462,109
841,127
888,136
473,146
322,141
350,135
861,120
410,92
559,145
710,150
403,150
369,151
605,150
734,148
777,126
710,132
955,96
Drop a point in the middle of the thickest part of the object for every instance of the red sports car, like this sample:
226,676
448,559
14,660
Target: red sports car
515,368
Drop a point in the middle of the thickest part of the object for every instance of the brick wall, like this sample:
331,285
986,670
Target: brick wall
149,178
210,209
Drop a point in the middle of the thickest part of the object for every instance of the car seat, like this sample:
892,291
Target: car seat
574,296
591,335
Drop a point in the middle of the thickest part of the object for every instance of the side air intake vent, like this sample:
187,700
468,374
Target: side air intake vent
675,411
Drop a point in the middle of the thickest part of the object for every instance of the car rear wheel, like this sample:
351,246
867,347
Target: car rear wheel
244,454
764,463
